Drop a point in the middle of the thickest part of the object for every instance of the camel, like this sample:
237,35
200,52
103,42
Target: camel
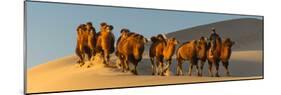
156,51
162,49
123,37
187,51
124,33
91,42
202,53
131,50
213,55
80,44
105,42
226,53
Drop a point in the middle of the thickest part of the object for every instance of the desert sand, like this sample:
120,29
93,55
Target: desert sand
64,74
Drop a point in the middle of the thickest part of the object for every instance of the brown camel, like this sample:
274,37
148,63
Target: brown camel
202,53
213,55
131,49
162,49
91,40
105,42
226,53
80,44
124,33
169,51
156,51
187,51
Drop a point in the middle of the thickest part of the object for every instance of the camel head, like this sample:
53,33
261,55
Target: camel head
202,43
172,41
124,33
81,28
109,28
228,43
89,25
103,26
154,39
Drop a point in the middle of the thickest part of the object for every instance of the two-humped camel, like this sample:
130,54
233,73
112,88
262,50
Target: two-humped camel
130,48
85,42
105,42
226,53
161,49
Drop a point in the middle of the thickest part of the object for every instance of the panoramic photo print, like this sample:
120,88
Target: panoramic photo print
74,47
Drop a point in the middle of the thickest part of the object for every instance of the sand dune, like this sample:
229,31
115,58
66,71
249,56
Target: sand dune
64,74
246,32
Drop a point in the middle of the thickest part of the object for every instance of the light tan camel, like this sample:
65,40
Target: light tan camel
187,51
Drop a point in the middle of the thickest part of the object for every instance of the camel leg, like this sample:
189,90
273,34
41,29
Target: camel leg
225,64
153,65
210,68
81,56
157,66
103,57
201,67
217,68
82,60
89,56
93,54
167,68
197,69
106,55
161,67
122,64
135,68
190,68
179,67
126,64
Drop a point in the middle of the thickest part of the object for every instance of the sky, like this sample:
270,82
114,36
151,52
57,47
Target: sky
51,27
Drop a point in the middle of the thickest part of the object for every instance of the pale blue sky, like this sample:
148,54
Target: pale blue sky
51,27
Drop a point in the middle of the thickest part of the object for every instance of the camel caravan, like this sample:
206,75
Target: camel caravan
130,47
